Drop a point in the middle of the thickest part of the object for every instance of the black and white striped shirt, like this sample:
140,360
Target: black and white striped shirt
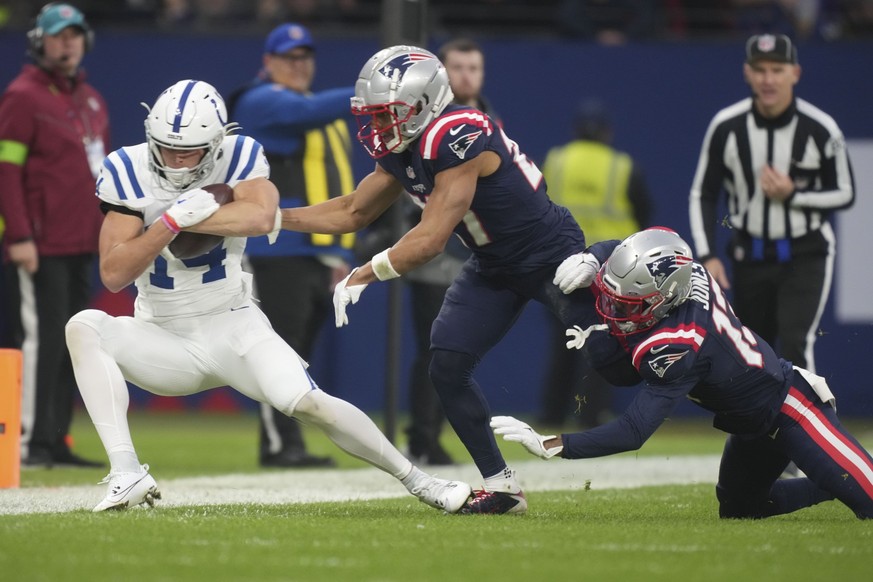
804,142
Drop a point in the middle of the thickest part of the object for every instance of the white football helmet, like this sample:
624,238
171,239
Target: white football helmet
189,115
645,277
397,94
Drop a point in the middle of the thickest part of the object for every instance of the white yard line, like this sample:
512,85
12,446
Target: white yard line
308,486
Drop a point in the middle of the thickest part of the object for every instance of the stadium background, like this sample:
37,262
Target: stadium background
662,95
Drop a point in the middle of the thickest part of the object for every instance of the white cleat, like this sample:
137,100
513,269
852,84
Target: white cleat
129,490
450,496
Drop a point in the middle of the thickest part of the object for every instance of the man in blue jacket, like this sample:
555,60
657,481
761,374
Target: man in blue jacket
308,147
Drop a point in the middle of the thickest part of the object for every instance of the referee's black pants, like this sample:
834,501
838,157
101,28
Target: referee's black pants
783,302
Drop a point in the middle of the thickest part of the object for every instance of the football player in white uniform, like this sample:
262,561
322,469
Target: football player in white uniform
195,325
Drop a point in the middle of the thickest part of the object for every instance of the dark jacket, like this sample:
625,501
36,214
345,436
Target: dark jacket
47,188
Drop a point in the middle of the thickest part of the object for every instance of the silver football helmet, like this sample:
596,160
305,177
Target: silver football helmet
400,90
189,115
646,276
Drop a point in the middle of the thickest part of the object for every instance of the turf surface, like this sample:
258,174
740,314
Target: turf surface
650,533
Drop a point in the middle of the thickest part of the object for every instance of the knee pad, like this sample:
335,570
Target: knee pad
83,326
451,371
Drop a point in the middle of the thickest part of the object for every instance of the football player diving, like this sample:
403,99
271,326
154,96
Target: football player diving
195,325
682,337
472,181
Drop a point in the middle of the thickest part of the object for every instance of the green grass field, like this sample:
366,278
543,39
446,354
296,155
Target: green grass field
650,533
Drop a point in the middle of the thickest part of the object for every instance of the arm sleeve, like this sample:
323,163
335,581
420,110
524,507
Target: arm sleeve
291,112
837,189
601,250
705,190
648,410
16,135
106,208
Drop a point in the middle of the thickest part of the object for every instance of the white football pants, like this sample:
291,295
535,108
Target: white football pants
237,348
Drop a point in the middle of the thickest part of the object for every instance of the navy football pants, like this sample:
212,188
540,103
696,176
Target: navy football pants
809,433
476,313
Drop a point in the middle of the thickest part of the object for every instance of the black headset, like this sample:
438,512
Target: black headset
36,34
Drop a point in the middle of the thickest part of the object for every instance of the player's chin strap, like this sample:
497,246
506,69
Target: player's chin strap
579,335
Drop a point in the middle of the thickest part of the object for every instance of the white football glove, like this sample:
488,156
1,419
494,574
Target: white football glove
576,271
192,207
515,430
277,226
579,335
343,294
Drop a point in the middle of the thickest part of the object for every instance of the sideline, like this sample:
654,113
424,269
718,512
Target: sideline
319,485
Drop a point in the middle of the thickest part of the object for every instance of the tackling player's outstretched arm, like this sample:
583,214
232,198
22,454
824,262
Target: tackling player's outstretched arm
451,198
252,212
349,213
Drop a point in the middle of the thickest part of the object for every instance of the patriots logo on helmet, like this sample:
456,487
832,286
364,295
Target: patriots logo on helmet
661,268
402,62
660,364
463,143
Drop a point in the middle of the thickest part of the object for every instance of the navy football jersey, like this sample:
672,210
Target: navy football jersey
512,225
722,365
701,351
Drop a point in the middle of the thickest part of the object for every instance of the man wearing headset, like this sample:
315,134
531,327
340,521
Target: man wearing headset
54,134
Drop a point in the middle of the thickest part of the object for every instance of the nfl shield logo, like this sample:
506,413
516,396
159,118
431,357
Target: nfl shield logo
766,43
410,172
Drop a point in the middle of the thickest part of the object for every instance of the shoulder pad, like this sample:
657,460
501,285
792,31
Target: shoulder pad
242,158
456,134
668,353
119,182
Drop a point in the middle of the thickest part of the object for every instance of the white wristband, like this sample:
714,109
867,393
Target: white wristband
382,267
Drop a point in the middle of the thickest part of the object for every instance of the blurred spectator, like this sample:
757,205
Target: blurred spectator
856,19
465,63
312,11
796,18
608,22
307,142
697,18
606,193
54,131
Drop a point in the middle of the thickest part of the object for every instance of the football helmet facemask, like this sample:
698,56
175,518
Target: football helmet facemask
399,91
189,115
646,276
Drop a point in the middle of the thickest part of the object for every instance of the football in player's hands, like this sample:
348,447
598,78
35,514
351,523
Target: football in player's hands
188,245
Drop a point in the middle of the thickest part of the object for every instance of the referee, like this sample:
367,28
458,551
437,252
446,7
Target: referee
784,165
